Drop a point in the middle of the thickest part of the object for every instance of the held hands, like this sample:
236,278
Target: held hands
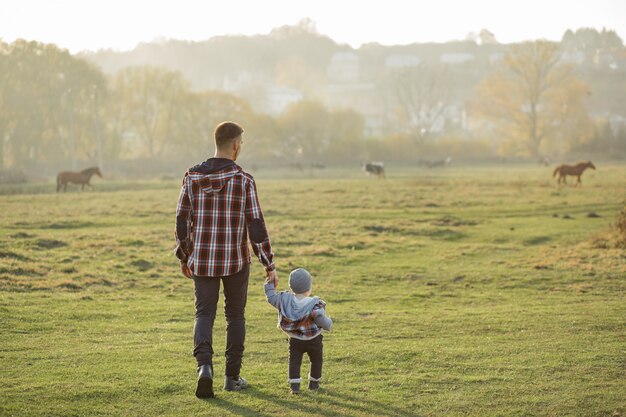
271,277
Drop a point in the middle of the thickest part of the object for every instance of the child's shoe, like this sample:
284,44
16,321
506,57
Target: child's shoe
314,384
295,388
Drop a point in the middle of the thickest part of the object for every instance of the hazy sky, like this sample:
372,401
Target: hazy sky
121,24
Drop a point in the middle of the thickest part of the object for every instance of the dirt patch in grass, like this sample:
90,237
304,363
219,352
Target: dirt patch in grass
50,243
355,246
132,242
20,272
68,225
412,277
22,235
381,229
453,222
101,281
142,264
13,255
8,283
322,251
443,234
68,285
435,233
538,240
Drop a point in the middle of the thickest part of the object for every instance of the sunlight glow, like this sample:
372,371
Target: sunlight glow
90,25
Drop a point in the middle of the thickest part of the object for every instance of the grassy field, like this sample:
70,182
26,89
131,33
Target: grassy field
469,291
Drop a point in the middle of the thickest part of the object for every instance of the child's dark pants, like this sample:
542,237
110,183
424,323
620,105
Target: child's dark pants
314,348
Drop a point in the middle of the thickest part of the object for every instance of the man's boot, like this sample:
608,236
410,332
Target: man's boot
205,382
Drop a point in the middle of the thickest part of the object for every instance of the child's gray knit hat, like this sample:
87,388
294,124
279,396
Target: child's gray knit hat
300,280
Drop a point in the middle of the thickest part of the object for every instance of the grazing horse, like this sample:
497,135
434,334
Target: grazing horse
83,177
375,168
575,170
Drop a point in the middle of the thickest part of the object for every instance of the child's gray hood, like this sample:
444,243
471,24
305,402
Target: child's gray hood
293,310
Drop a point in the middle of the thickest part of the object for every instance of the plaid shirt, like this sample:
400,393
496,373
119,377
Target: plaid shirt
304,328
219,210
303,322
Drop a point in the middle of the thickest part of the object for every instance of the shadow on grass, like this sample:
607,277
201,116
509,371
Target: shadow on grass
320,403
538,240
298,405
235,408
366,405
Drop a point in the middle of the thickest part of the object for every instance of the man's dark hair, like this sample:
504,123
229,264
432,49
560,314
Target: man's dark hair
226,132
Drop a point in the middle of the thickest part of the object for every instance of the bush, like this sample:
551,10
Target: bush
12,176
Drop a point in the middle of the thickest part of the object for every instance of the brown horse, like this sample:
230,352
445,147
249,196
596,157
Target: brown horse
575,170
83,177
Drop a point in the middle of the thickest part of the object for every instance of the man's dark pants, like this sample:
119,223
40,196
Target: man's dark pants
207,291
314,348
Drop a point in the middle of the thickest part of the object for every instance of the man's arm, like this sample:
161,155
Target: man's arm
257,231
183,211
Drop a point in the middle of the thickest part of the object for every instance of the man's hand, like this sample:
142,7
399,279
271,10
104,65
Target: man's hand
185,270
272,277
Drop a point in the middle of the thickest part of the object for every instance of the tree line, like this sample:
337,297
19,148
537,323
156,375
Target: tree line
61,109
56,107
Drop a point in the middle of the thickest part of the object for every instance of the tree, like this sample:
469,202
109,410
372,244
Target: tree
304,130
199,113
423,95
46,98
346,135
150,98
533,102
589,40
261,137
294,72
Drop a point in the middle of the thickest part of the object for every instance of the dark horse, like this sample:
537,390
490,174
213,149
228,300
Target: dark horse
575,170
83,177
375,168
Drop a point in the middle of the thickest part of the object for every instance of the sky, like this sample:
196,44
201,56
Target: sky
80,25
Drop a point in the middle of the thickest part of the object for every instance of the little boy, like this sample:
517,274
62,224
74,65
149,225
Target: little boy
302,317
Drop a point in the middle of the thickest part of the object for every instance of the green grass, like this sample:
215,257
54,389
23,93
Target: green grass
465,291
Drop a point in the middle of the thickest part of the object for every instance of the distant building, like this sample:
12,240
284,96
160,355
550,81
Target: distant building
573,57
280,96
344,67
237,82
346,90
605,59
456,58
401,61
361,97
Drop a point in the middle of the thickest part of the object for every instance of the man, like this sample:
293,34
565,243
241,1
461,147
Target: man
217,210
